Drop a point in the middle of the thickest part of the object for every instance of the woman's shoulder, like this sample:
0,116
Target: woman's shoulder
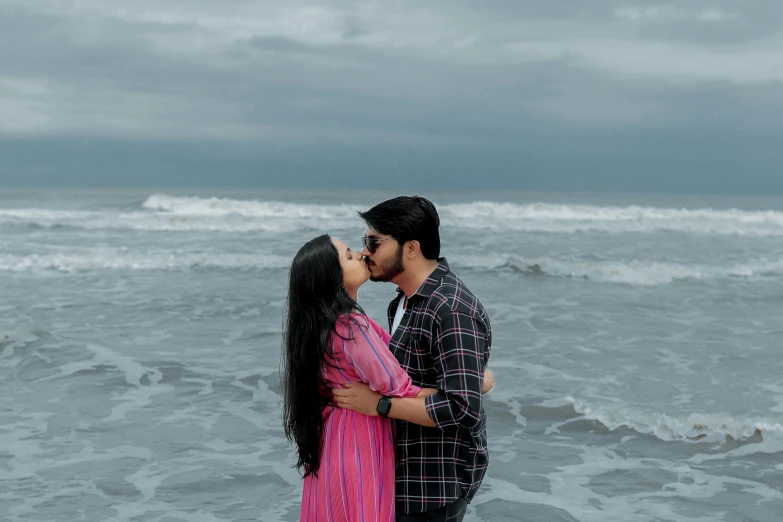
347,322
354,320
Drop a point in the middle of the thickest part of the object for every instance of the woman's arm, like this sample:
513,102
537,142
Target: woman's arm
375,365
489,383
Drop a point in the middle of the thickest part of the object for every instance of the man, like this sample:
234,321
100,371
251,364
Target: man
441,336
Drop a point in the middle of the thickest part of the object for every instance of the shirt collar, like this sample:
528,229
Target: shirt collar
433,280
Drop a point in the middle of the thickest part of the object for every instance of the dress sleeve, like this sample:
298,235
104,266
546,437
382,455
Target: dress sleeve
369,354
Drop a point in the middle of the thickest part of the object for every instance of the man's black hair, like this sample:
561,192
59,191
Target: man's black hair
407,218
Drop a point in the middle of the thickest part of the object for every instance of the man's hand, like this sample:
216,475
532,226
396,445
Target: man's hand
357,397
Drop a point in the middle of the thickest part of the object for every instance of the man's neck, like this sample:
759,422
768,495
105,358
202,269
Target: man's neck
412,278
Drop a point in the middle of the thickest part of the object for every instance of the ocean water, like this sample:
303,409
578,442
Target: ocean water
637,350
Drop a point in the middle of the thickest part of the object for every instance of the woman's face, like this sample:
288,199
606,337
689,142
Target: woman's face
355,271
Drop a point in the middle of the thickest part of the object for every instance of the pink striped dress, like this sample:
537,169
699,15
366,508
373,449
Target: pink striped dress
355,482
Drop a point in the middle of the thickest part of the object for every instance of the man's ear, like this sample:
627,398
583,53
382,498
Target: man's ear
412,248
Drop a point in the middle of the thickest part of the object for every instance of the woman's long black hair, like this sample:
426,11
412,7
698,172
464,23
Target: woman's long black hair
316,300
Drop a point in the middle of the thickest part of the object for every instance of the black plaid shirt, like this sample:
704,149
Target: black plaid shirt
443,341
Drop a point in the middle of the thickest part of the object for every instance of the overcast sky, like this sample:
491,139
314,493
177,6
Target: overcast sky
530,94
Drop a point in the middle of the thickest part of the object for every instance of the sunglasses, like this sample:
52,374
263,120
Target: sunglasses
371,243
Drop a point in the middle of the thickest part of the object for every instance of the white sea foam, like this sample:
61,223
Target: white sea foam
547,217
161,212
637,273
109,259
170,221
193,206
696,427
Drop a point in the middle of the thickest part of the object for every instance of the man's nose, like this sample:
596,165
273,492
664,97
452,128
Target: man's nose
366,253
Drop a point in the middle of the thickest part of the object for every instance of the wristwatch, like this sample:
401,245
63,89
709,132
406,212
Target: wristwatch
384,406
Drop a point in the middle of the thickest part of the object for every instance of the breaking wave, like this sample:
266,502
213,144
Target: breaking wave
180,213
634,273
637,273
696,427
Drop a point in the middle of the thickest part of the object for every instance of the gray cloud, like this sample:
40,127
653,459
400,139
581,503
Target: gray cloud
451,75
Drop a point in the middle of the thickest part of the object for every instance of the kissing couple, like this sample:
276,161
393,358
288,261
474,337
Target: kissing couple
345,377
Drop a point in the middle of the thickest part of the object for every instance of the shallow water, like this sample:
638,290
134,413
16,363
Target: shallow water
636,349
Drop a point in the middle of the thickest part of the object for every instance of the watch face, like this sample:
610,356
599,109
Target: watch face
384,405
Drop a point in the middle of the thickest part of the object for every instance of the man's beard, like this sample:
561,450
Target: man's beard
392,271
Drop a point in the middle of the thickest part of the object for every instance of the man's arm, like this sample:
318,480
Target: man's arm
461,382
412,410
459,352
361,398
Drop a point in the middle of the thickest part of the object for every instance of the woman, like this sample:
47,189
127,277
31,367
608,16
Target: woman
347,458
